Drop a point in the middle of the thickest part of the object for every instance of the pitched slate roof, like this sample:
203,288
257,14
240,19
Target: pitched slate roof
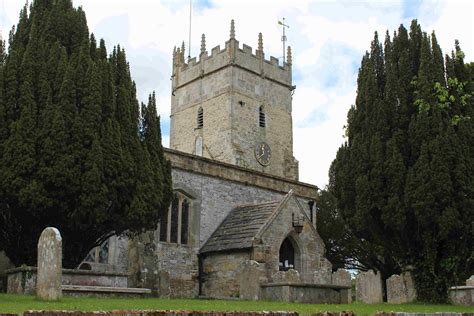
240,227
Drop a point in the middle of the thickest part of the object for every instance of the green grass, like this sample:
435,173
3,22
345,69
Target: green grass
20,303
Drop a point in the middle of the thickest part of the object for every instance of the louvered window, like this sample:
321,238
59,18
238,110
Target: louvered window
200,118
261,117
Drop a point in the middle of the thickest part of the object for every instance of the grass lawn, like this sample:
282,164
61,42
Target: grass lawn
20,303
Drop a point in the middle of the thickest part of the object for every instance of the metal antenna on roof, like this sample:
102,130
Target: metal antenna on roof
283,37
190,19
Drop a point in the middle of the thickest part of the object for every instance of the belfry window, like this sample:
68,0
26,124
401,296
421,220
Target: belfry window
261,117
200,118
174,226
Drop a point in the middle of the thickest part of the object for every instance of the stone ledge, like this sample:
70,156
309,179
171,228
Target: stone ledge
308,285
226,171
105,289
462,287
68,271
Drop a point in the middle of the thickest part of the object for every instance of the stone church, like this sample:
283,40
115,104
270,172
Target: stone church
240,223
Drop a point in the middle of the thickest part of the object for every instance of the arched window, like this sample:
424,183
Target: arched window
174,219
174,228
287,255
200,118
184,221
261,117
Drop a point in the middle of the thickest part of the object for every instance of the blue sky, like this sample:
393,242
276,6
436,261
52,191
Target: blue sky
328,40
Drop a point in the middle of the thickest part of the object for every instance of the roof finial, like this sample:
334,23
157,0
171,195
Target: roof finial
182,49
288,56
203,44
260,42
232,29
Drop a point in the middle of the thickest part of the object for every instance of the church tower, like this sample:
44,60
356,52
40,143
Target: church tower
234,106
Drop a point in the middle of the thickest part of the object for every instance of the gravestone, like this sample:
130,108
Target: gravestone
164,289
470,281
343,277
48,284
322,277
369,287
250,280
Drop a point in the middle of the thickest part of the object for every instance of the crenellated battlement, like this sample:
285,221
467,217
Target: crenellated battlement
228,100
232,55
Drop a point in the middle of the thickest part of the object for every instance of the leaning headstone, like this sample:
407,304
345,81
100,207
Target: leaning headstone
369,287
409,286
48,283
470,281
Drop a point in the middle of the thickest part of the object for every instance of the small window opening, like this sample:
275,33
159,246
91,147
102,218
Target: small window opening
174,219
184,221
311,215
287,256
261,117
200,118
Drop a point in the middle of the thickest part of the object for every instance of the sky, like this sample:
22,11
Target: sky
328,39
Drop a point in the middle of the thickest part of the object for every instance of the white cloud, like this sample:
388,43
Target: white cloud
328,39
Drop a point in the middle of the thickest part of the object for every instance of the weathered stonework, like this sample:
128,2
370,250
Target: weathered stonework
230,86
343,277
461,295
169,270
22,280
470,281
369,287
48,283
401,289
222,273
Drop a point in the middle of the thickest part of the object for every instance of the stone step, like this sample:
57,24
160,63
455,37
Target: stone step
104,290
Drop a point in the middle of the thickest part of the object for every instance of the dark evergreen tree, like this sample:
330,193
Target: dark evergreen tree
403,181
71,152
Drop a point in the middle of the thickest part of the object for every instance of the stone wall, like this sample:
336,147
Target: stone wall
22,280
369,287
462,295
168,269
222,274
225,187
305,293
401,289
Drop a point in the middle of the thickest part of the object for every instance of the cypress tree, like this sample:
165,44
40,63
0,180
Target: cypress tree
70,151
403,180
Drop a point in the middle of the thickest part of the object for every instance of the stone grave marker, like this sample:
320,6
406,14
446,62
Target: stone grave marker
369,287
48,284
470,281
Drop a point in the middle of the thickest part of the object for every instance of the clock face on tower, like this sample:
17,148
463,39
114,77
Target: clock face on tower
263,153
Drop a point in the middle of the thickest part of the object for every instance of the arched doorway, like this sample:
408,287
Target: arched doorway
288,255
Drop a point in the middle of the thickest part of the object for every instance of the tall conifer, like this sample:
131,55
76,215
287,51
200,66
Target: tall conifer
70,151
403,181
